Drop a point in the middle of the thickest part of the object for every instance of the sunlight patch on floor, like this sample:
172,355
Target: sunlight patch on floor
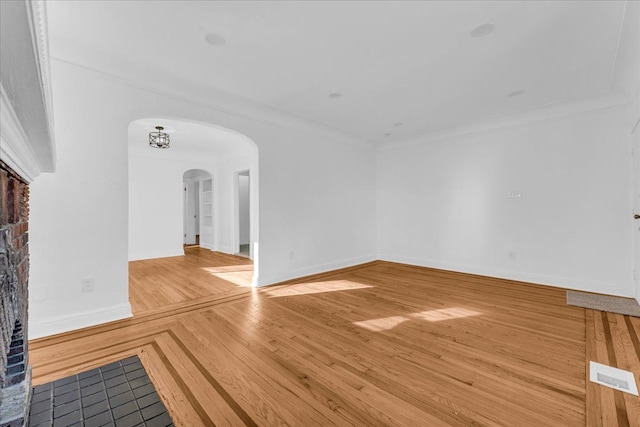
382,324
240,278
240,275
316,288
387,323
228,268
445,314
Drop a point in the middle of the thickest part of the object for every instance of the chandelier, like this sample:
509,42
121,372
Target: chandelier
159,139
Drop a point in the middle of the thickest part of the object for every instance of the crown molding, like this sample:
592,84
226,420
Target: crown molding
37,13
218,100
554,111
26,143
15,149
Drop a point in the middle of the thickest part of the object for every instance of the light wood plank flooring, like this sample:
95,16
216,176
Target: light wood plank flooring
159,283
379,344
612,339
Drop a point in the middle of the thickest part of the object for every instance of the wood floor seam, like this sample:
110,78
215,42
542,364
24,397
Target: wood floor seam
214,383
202,413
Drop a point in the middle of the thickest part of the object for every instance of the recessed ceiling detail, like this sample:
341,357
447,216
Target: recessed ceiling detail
482,30
516,93
215,39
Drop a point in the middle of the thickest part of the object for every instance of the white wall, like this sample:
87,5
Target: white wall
225,204
316,198
156,204
635,225
323,192
445,203
78,216
243,209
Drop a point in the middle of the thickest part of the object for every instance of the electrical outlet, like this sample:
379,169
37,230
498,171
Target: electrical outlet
514,195
512,255
88,284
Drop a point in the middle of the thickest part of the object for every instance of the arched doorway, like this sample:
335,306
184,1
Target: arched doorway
185,195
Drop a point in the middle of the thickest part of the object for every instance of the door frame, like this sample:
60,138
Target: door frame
635,194
236,211
189,212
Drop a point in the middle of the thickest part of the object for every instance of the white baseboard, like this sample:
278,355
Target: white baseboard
226,249
207,246
540,279
84,319
314,269
153,255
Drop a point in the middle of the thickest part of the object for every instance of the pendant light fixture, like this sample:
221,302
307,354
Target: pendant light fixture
159,139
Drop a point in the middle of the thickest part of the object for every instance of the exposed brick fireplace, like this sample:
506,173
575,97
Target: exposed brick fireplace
15,373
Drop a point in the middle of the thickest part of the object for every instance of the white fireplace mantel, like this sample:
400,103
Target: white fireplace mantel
26,118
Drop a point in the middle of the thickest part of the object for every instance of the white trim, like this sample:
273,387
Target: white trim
540,279
227,249
226,103
235,210
37,12
536,115
30,157
207,246
59,324
314,269
15,149
153,255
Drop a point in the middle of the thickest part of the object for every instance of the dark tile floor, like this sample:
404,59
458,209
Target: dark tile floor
119,394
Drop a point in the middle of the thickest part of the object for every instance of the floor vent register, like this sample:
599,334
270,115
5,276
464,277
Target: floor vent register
614,378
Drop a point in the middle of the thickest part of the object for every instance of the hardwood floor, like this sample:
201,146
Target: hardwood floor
613,339
158,283
379,344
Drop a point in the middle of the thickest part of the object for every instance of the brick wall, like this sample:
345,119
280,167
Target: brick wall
15,381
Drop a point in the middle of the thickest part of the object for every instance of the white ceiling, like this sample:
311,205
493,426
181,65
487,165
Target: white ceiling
393,62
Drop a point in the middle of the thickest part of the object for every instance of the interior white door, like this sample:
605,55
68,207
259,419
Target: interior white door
184,213
636,204
189,215
244,209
